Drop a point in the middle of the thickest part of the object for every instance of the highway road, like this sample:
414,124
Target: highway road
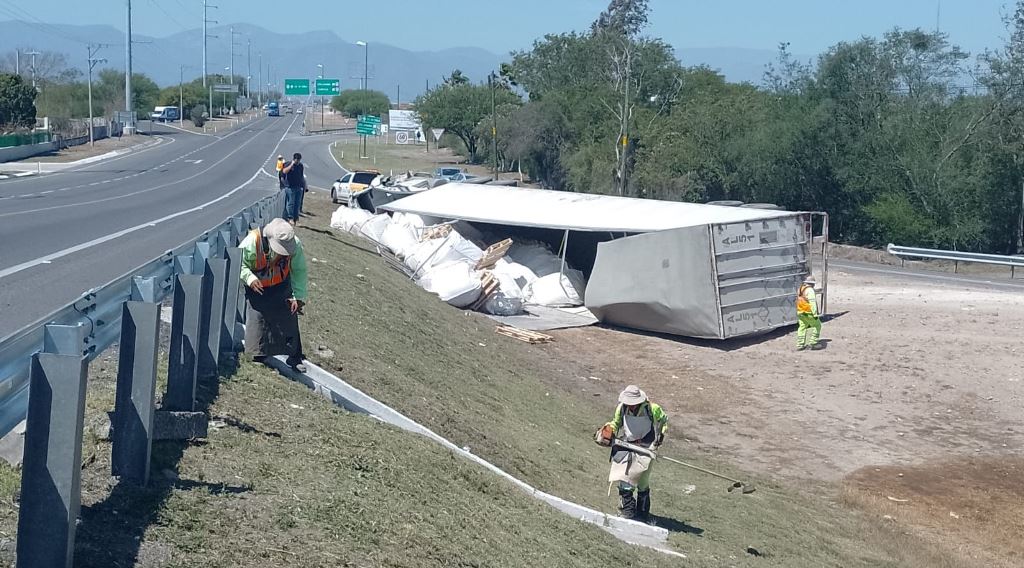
64,233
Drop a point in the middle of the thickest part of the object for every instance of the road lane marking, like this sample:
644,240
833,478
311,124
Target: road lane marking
100,240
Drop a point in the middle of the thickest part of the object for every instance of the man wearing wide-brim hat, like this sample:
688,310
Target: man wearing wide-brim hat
640,422
275,276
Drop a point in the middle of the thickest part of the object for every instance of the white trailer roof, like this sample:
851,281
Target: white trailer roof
503,205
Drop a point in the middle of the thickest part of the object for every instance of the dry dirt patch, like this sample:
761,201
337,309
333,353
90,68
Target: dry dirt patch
980,501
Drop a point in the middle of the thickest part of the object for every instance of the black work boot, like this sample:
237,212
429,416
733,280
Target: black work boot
627,504
643,505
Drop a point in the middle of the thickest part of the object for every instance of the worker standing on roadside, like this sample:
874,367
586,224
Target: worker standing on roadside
808,318
280,171
275,276
295,188
640,422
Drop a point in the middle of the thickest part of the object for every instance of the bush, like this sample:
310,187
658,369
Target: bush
198,115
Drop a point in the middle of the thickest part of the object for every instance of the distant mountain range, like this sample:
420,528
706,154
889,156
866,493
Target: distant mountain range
297,56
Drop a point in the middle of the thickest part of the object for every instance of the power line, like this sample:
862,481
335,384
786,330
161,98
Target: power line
21,14
169,16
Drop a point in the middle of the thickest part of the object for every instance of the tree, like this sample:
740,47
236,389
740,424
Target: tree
198,113
456,79
459,109
355,102
623,17
17,102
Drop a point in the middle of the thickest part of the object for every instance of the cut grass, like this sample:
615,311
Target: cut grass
447,369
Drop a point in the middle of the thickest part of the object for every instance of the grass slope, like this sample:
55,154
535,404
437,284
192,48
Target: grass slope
447,369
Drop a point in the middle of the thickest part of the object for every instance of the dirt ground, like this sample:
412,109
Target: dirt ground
918,384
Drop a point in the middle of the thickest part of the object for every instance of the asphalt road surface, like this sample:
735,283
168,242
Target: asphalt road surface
65,233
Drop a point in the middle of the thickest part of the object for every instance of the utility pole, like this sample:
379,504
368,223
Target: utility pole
206,7
491,80
128,68
248,68
92,49
17,61
259,90
323,75
232,66
398,97
181,96
33,53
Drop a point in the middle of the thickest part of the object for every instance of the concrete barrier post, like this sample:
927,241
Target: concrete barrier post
134,405
184,356
214,292
51,472
229,339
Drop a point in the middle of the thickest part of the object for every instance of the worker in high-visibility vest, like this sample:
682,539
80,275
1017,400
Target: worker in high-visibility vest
280,171
275,276
808,318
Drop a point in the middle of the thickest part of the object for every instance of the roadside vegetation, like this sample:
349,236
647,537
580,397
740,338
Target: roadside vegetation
904,138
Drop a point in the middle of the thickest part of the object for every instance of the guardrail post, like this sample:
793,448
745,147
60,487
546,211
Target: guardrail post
51,474
144,289
183,365
247,216
229,339
134,406
239,225
183,264
214,292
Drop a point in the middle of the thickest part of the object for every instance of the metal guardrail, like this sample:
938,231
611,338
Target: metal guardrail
99,309
956,257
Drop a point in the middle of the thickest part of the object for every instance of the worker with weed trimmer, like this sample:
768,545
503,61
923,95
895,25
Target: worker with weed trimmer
638,422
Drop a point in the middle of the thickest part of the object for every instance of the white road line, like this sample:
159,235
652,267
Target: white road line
98,241
147,190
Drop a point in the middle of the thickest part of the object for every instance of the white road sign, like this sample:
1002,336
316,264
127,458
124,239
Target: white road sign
437,132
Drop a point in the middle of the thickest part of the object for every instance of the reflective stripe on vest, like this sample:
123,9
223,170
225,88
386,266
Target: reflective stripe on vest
803,305
269,274
637,428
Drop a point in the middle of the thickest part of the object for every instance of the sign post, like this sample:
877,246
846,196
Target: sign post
367,125
329,88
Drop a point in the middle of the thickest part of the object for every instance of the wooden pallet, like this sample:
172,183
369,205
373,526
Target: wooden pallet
436,232
490,287
531,337
493,254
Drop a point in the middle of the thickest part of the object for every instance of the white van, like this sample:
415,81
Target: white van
164,114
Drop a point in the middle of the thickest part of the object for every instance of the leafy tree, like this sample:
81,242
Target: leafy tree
17,108
198,114
355,102
459,109
623,17
456,79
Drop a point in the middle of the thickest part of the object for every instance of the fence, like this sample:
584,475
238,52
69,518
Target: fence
28,139
43,370
956,257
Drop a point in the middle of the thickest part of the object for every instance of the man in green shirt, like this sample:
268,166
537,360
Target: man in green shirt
276,282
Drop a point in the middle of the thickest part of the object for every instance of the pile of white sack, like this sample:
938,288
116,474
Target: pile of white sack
447,265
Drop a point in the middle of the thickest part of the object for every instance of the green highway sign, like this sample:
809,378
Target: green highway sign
328,87
368,125
296,87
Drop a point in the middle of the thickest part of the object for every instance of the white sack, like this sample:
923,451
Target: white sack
400,239
515,272
410,220
556,290
347,219
453,282
536,257
435,252
374,228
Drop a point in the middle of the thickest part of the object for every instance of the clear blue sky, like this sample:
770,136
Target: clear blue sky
501,25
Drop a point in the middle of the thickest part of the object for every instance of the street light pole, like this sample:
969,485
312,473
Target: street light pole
181,96
366,76
128,62
259,90
323,75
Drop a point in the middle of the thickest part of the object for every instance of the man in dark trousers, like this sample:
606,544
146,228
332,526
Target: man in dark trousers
295,188
274,272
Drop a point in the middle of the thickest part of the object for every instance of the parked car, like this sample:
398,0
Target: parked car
447,173
462,176
353,183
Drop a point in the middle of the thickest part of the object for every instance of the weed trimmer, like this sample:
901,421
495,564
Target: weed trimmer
745,488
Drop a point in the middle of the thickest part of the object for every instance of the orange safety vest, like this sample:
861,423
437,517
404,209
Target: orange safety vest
803,305
269,274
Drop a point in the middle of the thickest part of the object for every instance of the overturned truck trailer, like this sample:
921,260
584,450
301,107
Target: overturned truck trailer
685,269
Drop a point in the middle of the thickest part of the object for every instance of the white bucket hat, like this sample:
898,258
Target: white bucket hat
281,236
632,395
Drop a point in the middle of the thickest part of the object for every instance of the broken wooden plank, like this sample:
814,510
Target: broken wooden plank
531,337
493,254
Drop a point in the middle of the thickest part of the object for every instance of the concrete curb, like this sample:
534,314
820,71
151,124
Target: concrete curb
352,399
